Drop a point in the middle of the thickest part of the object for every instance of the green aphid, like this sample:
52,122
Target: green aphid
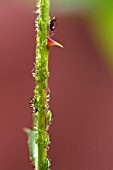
49,117
35,102
47,140
47,163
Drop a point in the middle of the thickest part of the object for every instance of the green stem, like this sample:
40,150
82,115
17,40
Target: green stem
41,78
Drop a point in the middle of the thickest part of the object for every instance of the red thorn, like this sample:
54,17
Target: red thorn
52,42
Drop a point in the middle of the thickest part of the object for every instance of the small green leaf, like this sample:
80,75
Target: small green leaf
33,147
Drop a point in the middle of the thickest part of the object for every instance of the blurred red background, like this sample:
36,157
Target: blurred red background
81,93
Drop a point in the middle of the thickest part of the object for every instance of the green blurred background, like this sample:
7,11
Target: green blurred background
99,14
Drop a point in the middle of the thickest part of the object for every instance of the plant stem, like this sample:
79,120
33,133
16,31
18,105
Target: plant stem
41,78
38,138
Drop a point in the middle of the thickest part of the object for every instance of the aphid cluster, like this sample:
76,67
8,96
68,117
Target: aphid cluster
34,103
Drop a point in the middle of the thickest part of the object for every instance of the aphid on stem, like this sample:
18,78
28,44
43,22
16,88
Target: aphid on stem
34,104
53,24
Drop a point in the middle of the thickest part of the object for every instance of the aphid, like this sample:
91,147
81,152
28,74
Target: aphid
34,104
53,24
48,95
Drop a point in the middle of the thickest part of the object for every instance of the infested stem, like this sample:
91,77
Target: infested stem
38,138
41,79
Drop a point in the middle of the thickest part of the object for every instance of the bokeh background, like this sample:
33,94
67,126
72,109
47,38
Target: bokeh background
81,83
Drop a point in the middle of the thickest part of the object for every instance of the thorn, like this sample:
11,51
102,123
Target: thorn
52,42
